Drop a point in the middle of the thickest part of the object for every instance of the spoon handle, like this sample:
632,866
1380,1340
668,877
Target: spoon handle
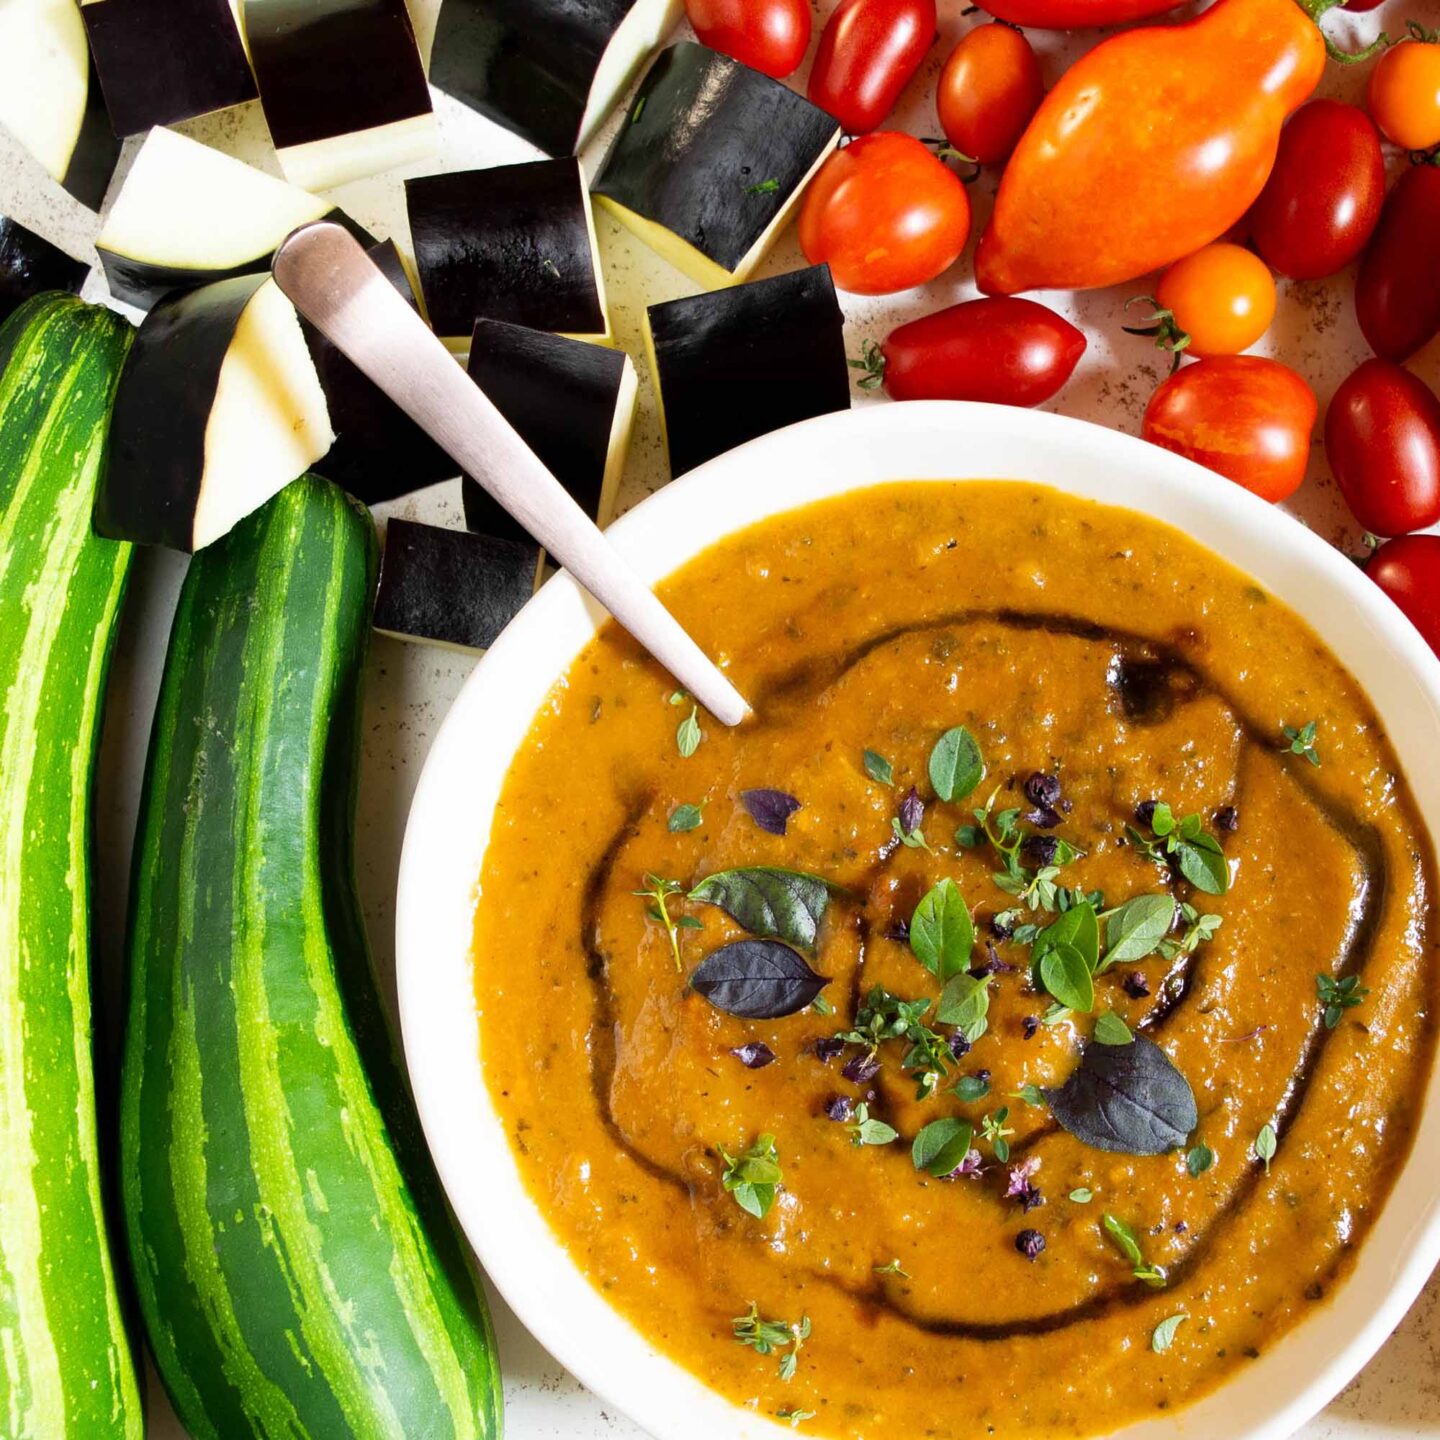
336,286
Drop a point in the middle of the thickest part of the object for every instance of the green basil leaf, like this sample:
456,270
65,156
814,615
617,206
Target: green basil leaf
684,818
1067,977
1136,929
1125,1238
1199,1160
878,768
786,905
1110,1029
687,734
1164,1332
1265,1145
941,1146
1202,863
972,1087
1079,928
942,934
965,1003
956,765
1082,1195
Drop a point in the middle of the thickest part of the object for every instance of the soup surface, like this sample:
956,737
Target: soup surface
979,1213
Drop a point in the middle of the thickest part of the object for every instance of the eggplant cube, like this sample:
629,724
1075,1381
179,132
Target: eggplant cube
513,242
549,70
30,264
218,408
342,86
572,403
50,100
451,587
712,162
738,363
160,62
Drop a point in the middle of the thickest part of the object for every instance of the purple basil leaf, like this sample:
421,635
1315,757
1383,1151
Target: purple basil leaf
756,980
912,811
769,809
755,1055
1128,1099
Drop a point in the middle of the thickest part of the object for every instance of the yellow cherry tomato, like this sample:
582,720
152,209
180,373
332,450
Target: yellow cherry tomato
1404,94
1222,297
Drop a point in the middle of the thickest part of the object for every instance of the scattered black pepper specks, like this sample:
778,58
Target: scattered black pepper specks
1135,985
755,1055
1030,1243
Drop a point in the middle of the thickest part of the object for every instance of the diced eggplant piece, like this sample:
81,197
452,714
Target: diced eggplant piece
187,215
342,86
709,166
737,363
30,264
379,453
550,70
50,100
514,242
451,587
218,408
571,402
160,62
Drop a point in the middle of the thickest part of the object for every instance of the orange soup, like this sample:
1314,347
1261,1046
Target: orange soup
1016,1027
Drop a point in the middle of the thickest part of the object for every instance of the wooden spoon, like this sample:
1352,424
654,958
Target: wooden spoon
337,287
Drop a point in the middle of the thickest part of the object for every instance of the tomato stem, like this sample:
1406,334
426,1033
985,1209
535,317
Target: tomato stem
1161,325
1317,10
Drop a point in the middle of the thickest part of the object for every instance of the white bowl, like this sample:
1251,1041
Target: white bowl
450,820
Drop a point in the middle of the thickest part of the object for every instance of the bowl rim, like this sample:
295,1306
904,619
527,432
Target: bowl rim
453,806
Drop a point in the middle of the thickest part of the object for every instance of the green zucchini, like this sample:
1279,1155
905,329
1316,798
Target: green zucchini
298,1272
65,1362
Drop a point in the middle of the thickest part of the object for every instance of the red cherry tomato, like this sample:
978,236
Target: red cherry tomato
1408,571
884,214
1323,197
1245,417
989,88
1006,351
1397,292
1404,93
768,35
1382,439
869,51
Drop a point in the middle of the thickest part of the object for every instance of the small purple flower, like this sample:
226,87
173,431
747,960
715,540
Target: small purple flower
912,811
754,1055
769,809
959,1045
970,1165
838,1108
1135,985
1021,1187
1029,1025
827,1047
1145,812
1227,819
860,1068
1030,1243
1002,925
1038,851
1181,1227
899,931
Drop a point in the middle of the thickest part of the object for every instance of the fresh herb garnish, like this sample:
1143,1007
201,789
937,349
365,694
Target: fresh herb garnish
775,904
754,1054
1195,853
765,1337
1265,1145
1129,1099
1338,996
659,891
878,768
956,765
1164,1333
885,1016
1030,1094
1198,929
821,1006
1065,955
687,733
794,1416
942,934
971,1088
769,809
1136,929
893,1268
1199,1160
905,825
965,1004
941,1145
765,187
1082,1194
993,1131
684,818
866,1130
752,1176
1110,1029
756,980
1128,1243
1302,741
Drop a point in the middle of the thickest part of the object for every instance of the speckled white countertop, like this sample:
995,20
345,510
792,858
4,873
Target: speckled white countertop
410,688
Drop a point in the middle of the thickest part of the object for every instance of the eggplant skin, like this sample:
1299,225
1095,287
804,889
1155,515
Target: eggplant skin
97,148
30,264
508,243
713,151
333,67
528,65
734,364
451,587
156,461
160,62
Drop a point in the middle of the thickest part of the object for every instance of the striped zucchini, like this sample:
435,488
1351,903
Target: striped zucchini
298,1272
65,1363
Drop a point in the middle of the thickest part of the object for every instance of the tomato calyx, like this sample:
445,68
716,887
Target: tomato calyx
947,153
1317,10
1161,326
872,362
1371,543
